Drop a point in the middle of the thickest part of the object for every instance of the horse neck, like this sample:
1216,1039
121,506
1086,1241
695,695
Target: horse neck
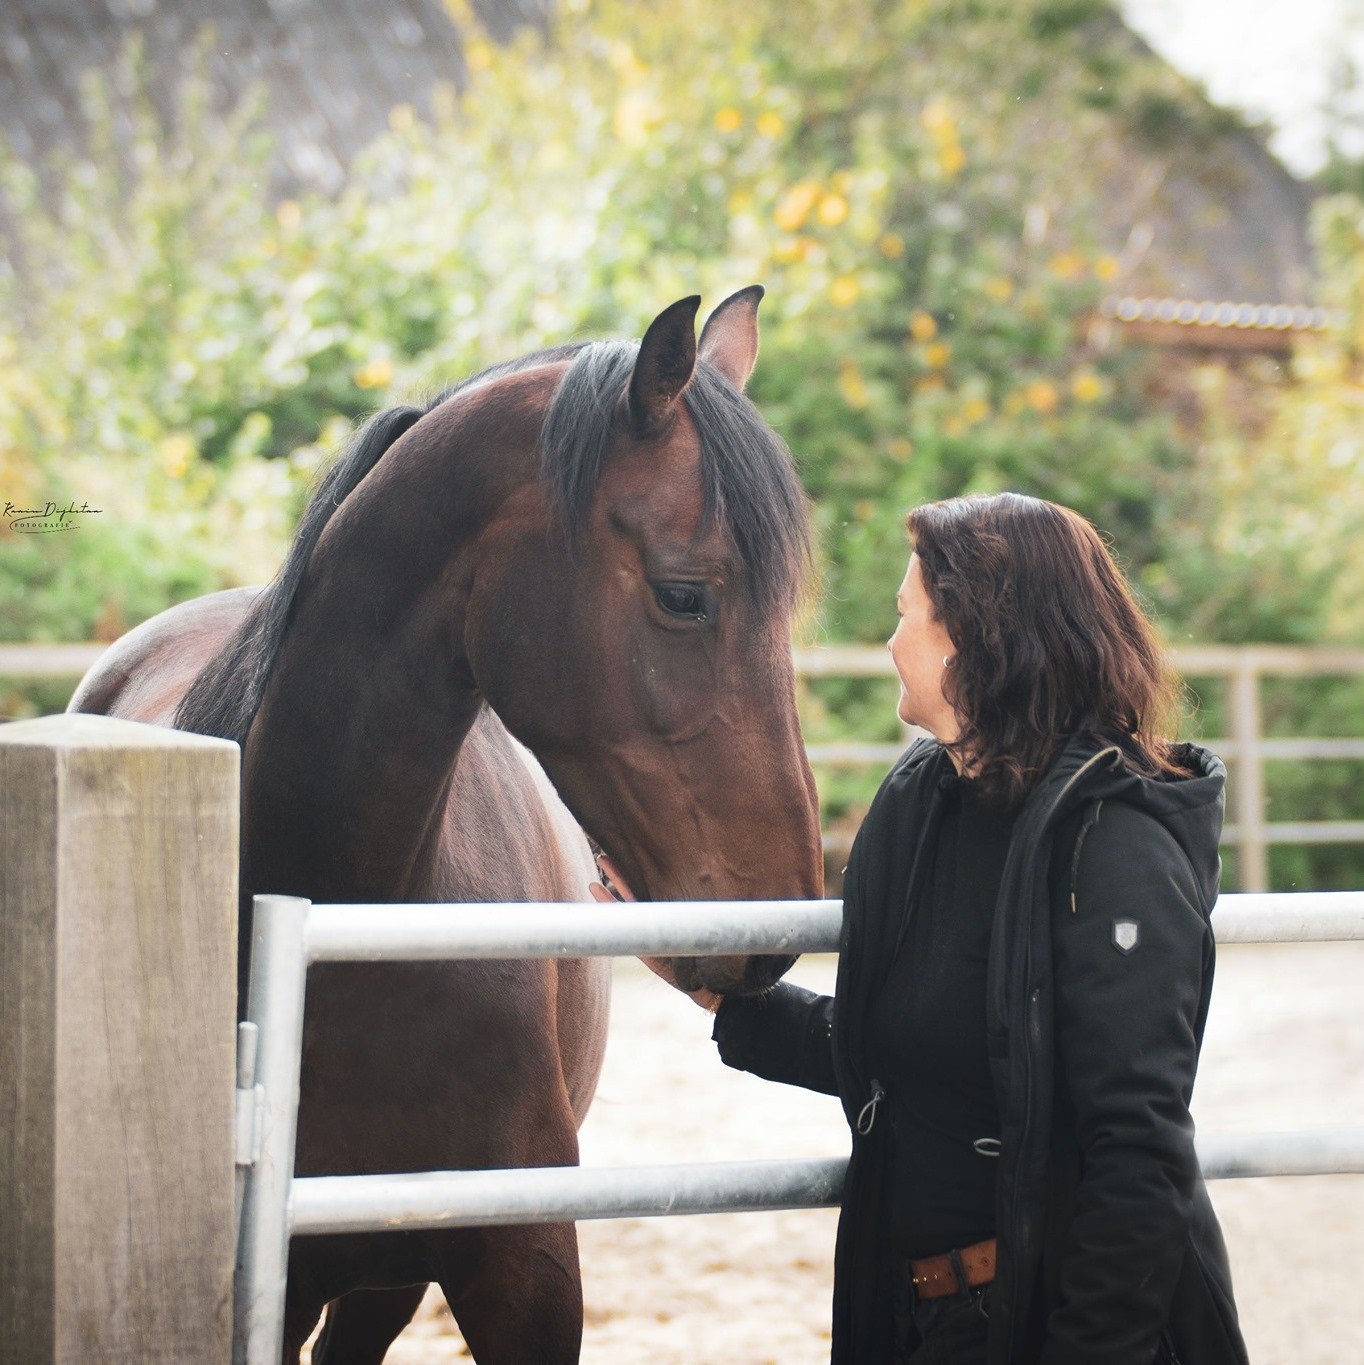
349,760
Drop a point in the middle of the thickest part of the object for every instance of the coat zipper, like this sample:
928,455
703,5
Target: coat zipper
1034,996
866,1116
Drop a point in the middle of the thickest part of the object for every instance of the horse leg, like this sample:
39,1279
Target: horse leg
523,1302
301,1313
363,1324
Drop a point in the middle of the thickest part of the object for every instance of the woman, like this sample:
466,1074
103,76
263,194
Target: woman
1023,979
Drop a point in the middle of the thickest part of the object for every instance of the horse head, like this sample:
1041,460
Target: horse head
629,621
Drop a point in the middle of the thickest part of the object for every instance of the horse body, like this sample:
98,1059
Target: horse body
439,615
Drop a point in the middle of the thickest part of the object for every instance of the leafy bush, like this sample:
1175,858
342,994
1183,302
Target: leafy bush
184,354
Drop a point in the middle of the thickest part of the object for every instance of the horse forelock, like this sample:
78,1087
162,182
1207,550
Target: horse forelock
748,477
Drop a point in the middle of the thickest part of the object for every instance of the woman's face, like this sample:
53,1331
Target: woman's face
919,645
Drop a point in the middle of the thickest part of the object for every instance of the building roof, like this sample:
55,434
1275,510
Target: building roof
1214,325
1220,220
331,69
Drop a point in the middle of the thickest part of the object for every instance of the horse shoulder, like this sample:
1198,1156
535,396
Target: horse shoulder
505,833
143,674
508,836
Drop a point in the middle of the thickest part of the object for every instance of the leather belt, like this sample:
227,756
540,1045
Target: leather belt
956,1272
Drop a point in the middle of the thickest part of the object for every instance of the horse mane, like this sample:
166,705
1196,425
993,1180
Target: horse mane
224,697
748,481
748,477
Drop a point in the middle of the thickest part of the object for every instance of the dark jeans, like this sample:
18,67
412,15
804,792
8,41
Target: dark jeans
953,1329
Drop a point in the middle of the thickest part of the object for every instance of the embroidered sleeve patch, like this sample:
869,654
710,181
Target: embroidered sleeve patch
1126,934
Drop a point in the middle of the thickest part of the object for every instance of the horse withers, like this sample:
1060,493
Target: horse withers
554,603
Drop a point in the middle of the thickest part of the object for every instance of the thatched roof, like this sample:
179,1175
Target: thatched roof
1201,208
331,69
1219,220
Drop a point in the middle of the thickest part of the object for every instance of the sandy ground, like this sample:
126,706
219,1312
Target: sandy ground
1284,1050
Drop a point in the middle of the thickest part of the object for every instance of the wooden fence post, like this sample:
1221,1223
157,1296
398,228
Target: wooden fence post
118,909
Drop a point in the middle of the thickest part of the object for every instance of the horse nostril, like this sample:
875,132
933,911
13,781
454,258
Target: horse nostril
764,972
688,974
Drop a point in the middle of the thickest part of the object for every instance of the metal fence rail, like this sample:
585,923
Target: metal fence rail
289,934
559,1194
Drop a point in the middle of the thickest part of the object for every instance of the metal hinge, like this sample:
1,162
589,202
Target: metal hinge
250,1106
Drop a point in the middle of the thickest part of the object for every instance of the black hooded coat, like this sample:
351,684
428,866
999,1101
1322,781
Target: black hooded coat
1100,970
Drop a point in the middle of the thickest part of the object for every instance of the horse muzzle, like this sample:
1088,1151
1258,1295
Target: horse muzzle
730,975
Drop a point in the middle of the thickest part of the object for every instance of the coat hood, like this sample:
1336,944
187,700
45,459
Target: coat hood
1189,805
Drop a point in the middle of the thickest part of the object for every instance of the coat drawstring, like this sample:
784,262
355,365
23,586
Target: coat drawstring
866,1116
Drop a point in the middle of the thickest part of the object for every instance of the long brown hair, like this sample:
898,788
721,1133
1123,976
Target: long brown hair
1049,640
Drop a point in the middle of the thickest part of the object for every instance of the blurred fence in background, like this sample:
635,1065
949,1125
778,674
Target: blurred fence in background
1246,748
1239,668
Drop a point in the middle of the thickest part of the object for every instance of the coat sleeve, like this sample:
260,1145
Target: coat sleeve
1127,1006
787,1034
784,1035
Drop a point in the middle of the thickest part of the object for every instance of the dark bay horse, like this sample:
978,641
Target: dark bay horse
589,555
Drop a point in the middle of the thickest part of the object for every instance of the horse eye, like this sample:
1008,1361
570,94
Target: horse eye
679,600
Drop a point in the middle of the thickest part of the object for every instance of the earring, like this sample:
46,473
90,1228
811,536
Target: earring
945,661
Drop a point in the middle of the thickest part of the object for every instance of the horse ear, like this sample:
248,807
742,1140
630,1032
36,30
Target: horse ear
663,368
729,340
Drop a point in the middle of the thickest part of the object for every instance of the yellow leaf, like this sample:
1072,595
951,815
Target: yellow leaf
1041,396
636,113
852,386
770,124
922,326
728,120
176,451
937,354
936,116
1067,265
845,291
377,374
892,246
793,208
1086,386
833,209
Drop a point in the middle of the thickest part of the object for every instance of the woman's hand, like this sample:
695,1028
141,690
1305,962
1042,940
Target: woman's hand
612,888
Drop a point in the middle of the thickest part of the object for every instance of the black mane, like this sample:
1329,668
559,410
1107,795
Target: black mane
748,479
223,699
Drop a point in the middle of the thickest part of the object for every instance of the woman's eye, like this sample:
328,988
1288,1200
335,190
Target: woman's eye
678,600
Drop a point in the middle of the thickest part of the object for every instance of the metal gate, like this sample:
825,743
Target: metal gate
289,934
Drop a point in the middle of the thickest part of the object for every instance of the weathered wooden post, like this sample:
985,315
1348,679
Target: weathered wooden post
118,907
